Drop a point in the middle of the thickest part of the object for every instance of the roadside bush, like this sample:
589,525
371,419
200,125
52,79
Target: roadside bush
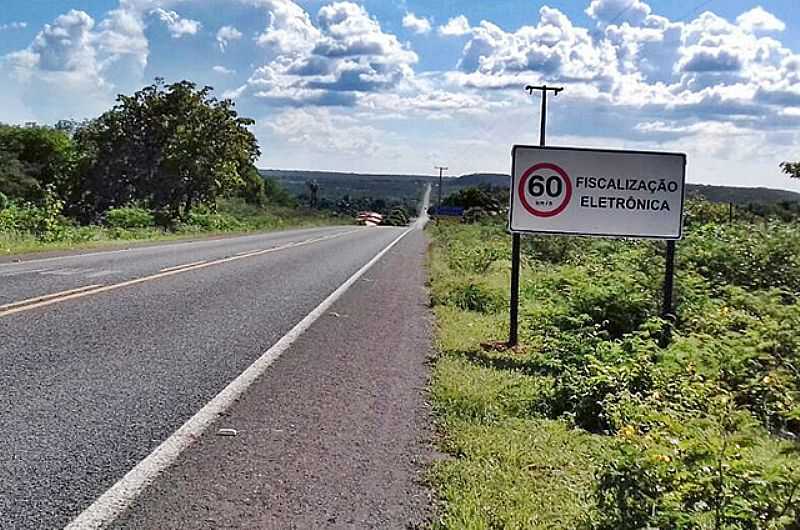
588,394
705,432
208,220
618,304
475,214
475,297
397,217
553,249
741,255
474,259
474,198
716,471
44,221
699,211
129,217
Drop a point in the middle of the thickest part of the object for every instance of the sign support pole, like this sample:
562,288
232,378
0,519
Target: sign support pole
516,243
441,169
669,280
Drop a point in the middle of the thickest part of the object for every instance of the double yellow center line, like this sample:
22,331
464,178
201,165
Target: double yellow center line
90,290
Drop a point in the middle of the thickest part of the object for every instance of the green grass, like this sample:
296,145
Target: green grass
516,473
511,467
589,423
234,218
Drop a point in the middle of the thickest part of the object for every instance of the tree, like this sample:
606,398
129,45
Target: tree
791,168
15,180
313,191
167,147
277,194
253,190
33,159
68,127
471,198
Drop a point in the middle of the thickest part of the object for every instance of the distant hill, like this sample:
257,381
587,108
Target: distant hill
742,195
291,175
476,179
333,185
383,185
732,194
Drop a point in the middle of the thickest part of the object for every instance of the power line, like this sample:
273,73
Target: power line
693,11
627,8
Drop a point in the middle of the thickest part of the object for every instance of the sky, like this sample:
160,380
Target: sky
399,86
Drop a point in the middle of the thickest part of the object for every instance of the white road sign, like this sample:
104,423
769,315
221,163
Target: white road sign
599,192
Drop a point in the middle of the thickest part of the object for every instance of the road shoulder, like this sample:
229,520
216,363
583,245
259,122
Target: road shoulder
336,433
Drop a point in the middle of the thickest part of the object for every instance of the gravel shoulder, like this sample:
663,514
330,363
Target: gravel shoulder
336,434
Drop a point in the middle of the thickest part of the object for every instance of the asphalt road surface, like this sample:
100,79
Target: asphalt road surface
103,356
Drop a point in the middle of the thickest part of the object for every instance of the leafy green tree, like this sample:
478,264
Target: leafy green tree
67,126
313,192
33,159
471,198
15,180
277,194
791,168
168,147
252,189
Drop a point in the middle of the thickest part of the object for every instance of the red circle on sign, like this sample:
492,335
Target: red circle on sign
567,190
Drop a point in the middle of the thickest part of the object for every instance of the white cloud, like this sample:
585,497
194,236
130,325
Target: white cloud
759,19
347,54
177,25
419,25
704,59
290,30
607,12
322,130
455,27
66,44
428,103
554,48
75,59
660,83
219,69
226,35
13,25
61,64
121,34
633,77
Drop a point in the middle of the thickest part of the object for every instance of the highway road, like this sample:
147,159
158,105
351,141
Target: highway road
104,355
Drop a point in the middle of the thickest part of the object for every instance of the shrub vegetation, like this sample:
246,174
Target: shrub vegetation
167,161
590,423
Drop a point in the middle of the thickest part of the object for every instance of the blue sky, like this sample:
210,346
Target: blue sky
403,85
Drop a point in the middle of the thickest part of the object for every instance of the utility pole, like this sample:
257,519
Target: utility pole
513,336
441,169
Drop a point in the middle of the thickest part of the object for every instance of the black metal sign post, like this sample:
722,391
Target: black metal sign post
513,335
668,311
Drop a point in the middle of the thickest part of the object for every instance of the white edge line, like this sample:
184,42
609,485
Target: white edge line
121,495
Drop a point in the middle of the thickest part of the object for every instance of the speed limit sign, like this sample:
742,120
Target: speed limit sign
545,190
600,192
